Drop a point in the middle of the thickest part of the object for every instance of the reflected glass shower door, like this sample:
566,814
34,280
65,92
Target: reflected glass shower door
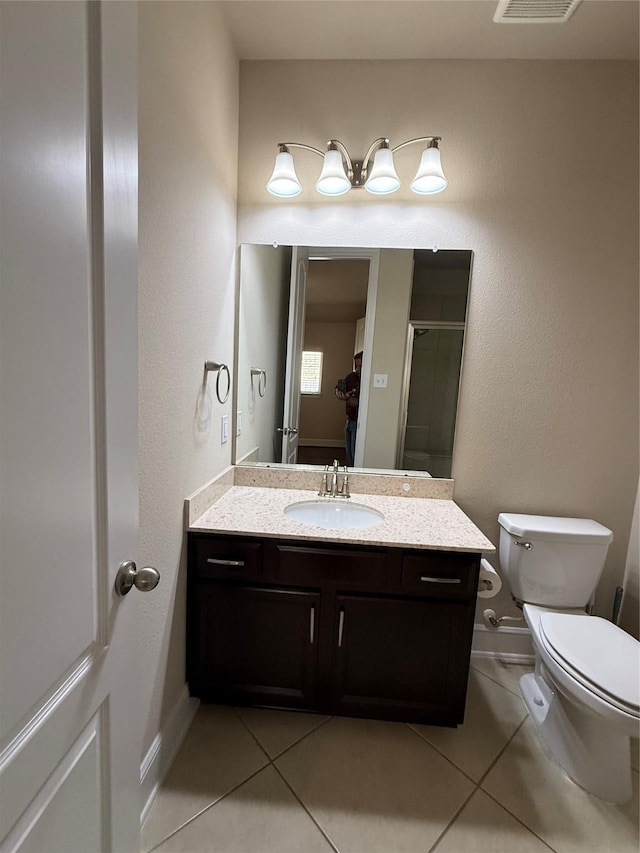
431,387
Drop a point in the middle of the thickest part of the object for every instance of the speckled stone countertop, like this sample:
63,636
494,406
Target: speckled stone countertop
408,522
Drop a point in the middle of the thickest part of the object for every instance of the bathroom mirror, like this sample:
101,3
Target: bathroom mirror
301,315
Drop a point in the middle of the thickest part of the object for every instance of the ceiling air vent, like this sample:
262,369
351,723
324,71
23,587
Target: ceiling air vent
535,11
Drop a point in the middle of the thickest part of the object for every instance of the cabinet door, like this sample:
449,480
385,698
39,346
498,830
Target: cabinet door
401,659
253,645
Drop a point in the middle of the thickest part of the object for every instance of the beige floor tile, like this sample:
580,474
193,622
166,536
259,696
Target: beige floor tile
533,788
374,787
492,715
276,731
507,674
217,754
261,816
485,827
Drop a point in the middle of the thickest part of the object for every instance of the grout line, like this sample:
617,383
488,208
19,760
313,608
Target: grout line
498,756
295,743
495,681
319,827
207,807
451,822
277,770
515,817
441,754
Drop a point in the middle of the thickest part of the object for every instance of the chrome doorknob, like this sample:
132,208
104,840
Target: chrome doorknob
144,579
287,430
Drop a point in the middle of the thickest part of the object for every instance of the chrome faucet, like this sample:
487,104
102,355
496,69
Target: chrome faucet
336,490
334,478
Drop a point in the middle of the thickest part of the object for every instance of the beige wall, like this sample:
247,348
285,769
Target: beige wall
262,339
389,344
323,416
188,127
548,415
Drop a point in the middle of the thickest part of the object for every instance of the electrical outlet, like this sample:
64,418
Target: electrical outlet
224,429
380,380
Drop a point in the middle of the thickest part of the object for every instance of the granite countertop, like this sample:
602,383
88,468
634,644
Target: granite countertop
408,522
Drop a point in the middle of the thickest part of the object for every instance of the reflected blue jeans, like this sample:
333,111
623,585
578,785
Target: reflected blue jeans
350,441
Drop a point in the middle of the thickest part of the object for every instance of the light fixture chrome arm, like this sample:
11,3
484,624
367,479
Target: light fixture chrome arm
431,140
336,145
284,147
381,142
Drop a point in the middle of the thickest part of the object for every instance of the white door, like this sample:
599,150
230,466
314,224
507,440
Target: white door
70,721
295,342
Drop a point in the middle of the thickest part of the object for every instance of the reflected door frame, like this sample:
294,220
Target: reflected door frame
373,256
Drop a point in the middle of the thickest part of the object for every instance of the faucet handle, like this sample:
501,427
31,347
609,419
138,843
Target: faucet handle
345,485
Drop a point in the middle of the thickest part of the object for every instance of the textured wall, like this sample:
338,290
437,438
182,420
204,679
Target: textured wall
548,416
263,305
188,129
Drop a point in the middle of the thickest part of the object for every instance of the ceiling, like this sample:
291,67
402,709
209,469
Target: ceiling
425,29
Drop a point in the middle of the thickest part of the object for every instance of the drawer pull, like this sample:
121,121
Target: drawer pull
312,624
225,562
426,579
340,628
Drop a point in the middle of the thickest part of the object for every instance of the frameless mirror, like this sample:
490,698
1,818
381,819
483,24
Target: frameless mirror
304,312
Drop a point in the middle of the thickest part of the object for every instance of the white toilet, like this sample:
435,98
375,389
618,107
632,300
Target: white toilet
584,695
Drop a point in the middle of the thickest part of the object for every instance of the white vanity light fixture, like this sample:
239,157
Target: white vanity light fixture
375,172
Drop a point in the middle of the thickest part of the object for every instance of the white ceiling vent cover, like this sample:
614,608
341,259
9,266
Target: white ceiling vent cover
535,11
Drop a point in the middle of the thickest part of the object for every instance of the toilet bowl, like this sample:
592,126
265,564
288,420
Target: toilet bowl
584,697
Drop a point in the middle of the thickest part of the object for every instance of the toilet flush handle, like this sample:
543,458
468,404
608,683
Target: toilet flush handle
526,545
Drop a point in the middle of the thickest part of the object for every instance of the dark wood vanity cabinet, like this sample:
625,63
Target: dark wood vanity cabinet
338,629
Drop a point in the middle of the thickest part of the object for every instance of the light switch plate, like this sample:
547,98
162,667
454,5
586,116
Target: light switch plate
239,424
380,380
224,429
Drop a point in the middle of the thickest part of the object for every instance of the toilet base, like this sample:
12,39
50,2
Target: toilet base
590,750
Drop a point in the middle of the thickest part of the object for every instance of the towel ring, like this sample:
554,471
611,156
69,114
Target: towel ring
220,368
262,381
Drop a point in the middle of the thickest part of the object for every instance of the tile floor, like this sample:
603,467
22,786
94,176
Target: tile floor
254,781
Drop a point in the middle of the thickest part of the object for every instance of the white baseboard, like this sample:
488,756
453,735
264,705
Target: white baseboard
321,442
164,748
511,644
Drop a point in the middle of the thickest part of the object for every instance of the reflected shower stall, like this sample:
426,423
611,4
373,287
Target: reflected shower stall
432,379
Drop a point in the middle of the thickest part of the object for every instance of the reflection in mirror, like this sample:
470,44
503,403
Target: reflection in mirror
405,309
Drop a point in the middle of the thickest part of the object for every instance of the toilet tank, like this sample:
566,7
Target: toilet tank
552,561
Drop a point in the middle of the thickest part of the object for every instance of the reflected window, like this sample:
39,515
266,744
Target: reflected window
311,375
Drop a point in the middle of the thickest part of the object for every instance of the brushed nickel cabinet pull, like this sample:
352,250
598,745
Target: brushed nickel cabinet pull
426,579
340,628
312,624
225,562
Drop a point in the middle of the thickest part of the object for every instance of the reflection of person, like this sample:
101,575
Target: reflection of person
348,390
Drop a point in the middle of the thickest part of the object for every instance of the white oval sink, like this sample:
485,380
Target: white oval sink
333,514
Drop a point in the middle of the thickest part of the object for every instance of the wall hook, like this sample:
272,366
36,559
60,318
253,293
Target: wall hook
220,369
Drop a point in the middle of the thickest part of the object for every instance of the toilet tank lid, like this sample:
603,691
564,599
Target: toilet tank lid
555,527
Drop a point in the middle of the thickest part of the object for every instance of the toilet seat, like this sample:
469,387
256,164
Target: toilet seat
577,644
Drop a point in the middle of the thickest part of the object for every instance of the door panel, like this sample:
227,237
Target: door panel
399,654
68,451
256,644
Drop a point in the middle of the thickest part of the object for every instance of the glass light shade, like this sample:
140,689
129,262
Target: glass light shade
429,178
284,182
382,178
333,179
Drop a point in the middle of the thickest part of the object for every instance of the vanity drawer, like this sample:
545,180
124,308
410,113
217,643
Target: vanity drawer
340,566
448,575
227,558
